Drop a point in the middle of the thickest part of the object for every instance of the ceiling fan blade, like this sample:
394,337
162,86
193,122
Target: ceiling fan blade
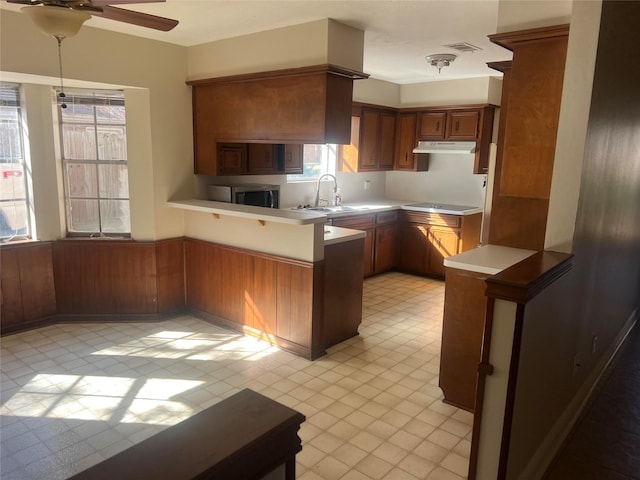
137,18
25,2
102,3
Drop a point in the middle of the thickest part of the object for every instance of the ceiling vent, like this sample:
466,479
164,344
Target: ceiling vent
463,47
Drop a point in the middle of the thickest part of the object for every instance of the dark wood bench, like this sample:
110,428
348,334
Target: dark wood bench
245,436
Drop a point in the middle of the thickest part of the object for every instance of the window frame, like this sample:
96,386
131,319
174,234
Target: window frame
93,98
329,164
15,101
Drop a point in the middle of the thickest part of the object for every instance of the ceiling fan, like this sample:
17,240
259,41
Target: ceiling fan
63,18
104,9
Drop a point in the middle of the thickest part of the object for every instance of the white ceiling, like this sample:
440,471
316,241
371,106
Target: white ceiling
398,33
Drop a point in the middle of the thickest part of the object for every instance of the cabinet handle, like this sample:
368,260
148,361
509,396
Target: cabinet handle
438,126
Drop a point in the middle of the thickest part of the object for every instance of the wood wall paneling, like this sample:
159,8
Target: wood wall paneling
532,114
463,322
11,288
531,97
105,277
170,275
294,297
27,284
259,280
342,291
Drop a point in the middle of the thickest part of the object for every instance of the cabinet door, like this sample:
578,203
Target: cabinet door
365,223
232,158
368,155
293,158
405,141
386,248
432,126
348,154
443,243
413,251
463,125
387,141
261,158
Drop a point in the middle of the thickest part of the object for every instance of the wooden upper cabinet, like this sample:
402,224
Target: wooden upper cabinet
372,143
404,158
298,105
387,140
258,159
232,160
262,158
463,125
368,154
377,140
457,123
348,154
293,159
453,124
432,126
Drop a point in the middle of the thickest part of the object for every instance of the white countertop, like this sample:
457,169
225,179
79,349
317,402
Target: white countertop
489,259
383,205
248,211
334,235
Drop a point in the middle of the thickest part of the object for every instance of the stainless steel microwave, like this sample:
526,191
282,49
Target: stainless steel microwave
259,195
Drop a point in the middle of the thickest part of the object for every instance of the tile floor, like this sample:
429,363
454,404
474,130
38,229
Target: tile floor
73,395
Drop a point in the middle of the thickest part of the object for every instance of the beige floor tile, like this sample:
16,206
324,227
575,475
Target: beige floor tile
374,467
456,463
373,406
416,466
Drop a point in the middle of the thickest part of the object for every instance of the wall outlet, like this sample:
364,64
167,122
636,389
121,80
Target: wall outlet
367,184
594,344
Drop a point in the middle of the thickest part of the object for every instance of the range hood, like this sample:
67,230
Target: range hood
445,147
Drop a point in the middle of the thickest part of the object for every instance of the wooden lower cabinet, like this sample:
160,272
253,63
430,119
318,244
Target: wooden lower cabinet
381,241
366,223
386,248
426,239
465,307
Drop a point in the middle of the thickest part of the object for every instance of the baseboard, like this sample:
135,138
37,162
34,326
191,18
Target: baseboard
281,343
89,318
550,446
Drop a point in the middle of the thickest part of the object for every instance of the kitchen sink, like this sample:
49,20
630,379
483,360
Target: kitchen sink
342,208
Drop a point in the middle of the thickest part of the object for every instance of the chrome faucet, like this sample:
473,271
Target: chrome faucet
335,187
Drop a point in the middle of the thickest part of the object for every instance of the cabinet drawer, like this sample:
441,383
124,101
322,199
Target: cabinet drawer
360,222
386,217
441,219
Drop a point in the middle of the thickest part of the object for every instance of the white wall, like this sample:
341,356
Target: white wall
314,43
523,14
449,92
450,179
377,92
572,127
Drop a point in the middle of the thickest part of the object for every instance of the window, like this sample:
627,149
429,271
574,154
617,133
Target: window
94,163
14,199
317,159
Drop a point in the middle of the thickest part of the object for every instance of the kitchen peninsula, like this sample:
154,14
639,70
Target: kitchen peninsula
280,275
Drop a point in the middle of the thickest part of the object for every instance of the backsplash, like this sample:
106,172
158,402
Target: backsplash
449,180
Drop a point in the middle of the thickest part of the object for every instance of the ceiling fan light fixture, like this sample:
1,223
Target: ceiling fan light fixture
440,60
59,22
